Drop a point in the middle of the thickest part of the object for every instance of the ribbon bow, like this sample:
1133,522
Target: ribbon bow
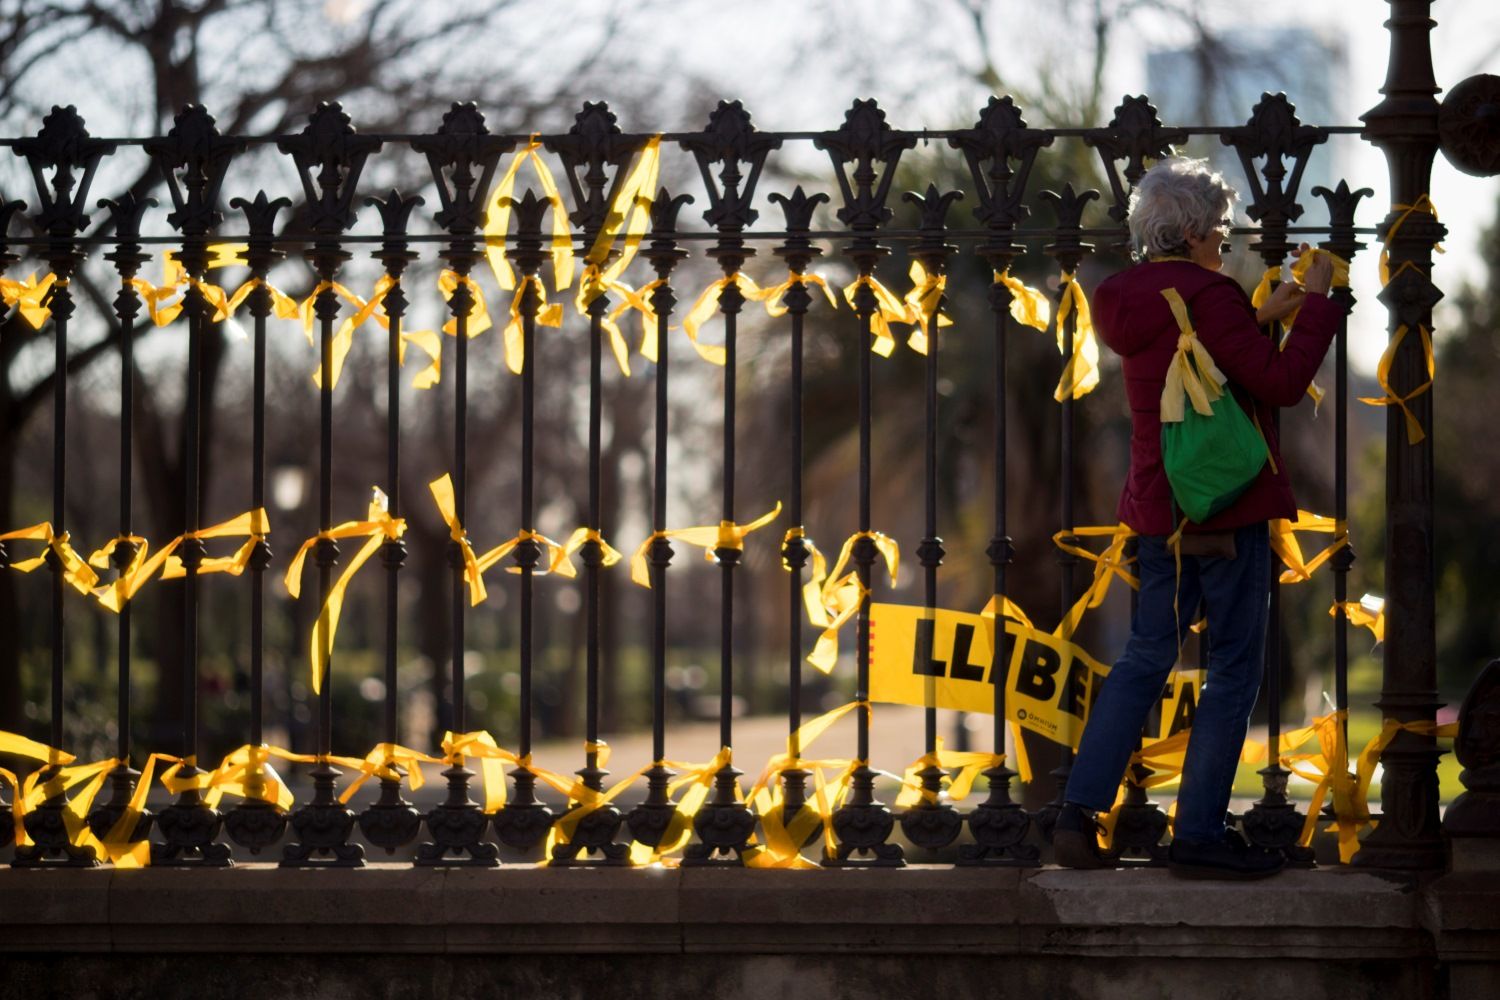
497,221
547,314
75,570
1284,543
923,302
1028,306
707,304
839,597
970,764
1262,293
29,296
1368,612
442,493
776,308
724,535
888,310
1191,372
377,528
558,562
1108,565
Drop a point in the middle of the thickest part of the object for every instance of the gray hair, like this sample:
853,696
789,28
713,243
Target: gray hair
1176,196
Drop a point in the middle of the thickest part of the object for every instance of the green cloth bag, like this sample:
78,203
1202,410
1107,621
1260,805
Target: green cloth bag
1210,449
1211,460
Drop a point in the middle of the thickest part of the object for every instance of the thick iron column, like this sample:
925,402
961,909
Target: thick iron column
1405,128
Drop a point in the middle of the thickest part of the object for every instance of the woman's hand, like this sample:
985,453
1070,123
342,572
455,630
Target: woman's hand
1319,276
1285,300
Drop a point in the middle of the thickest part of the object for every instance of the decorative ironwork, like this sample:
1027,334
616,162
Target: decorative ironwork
1135,135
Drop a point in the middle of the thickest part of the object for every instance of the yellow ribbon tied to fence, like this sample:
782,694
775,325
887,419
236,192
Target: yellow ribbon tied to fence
775,294
1262,294
75,570
841,595
391,761
113,594
1109,565
253,526
175,279
923,303
547,314
29,296
377,528
1414,430
707,304
558,560
784,840
888,309
1081,373
708,537
1367,612
1192,372
580,537
1284,543
969,765
442,493
1028,306
497,221
16,745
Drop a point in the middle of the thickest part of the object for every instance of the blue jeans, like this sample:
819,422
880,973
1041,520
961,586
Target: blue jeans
1235,594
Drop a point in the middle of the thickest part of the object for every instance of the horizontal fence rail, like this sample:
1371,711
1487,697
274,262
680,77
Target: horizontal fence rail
520,251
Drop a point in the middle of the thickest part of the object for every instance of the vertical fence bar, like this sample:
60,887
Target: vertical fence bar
998,140
127,257
932,824
798,252
392,822
863,824
7,258
649,820
256,823
1068,251
523,822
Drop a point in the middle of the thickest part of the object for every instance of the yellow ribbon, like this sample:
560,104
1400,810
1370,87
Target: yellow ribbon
377,528
479,312
1284,543
29,296
442,493
20,746
253,525
548,314
497,221
707,305
563,559
888,310
1414,431
1028,306
630,212
725,535
59,780
596,282
115,590
175,279
841,594
774,295
922,304
1108,565
1424,205
391,761
558,561
1262,294
970,764
75,570
784,840
1368,612
1081,374
1192,371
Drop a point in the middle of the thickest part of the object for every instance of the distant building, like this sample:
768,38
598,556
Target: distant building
1190,87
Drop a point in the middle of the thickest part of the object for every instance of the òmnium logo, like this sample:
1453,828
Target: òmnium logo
1021,714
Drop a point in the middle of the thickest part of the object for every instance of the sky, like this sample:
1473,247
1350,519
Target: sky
905,53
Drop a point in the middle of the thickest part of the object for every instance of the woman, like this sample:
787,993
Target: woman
1179,217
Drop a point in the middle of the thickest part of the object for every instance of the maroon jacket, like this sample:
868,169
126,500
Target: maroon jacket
1134,320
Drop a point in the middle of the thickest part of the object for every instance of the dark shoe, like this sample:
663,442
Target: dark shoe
1229,858
1075,842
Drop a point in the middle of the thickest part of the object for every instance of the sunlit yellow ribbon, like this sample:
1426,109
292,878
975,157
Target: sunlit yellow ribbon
774,295
707,305
1424,205
629,212
547,314
888,310
55,781
558,560
922,304
1028,306
969,764
29,296
1284,543
497,221
997,607
100,559
563,561
377,528
1192,371
696,780
253,526
1262,295
15,744
442,493
75,570
724,535
841,595
1081,374
595,283
1368,612
479,312
784,840
391,761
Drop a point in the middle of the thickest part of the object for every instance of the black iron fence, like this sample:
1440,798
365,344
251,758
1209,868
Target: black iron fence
589,243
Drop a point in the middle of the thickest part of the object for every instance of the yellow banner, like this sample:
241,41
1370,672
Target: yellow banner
946,659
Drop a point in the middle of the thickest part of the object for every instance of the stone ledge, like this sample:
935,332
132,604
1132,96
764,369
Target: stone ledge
519,908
